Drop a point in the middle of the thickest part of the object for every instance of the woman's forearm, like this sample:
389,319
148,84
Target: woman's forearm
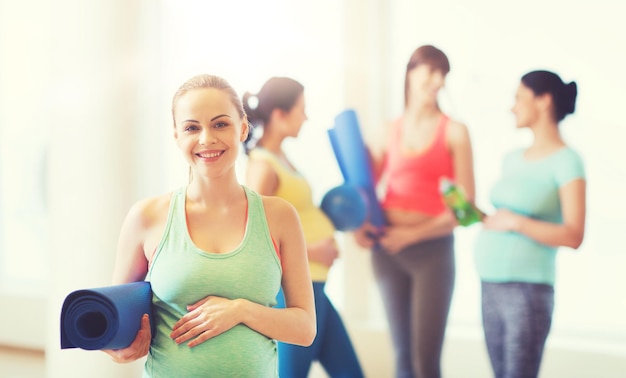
436,227
290,325
552,234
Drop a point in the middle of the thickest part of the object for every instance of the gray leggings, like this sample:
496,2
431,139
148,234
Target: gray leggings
516,320
416,287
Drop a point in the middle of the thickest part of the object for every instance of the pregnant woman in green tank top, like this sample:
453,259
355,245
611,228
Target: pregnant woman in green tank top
216,254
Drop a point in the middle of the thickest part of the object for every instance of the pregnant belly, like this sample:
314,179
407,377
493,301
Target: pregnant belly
239,352
405,218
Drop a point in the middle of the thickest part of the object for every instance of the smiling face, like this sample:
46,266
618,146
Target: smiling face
425,81
208,130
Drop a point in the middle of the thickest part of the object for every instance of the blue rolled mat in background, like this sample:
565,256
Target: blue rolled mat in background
347,207
354,161
105,318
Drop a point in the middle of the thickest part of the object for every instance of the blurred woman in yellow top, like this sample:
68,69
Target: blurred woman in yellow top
278,112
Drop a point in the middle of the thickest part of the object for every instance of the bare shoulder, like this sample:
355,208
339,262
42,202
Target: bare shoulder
139,236
147,212
281,216
458,132
259,171
286,230
456,127
258,163
278,209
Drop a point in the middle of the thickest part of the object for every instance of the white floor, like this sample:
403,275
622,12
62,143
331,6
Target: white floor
24,363
21,363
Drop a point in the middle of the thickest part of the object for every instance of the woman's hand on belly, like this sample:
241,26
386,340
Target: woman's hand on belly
324,252
502,220
401,231
396,238
406,228
206,318
366,235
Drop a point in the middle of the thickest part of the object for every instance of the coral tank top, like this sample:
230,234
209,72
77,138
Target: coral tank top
413,177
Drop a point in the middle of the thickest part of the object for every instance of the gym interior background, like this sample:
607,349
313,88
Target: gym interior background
85,91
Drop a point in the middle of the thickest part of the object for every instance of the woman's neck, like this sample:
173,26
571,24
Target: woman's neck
421,118
272,143
420,112
546,137
214,191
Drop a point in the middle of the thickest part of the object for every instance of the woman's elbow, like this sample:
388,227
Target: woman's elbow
310,332
576,244
307,335
310,337
575,241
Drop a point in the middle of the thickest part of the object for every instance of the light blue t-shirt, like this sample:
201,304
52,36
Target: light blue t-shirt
529,188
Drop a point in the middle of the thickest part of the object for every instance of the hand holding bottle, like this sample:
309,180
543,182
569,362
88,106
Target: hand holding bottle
465,212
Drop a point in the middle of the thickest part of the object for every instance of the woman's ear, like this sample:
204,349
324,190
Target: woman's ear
545,101
174,132
277,114
245,130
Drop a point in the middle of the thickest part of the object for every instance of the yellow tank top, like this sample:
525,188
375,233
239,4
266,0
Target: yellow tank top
293,187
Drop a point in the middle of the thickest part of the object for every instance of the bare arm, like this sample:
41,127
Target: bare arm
294,324
131,265
395,238
324,251
568,234
435,227
460,146
376,146
130,261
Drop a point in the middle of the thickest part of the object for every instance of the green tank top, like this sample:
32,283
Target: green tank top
182,274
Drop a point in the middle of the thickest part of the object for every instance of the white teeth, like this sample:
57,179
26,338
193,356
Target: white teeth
209,155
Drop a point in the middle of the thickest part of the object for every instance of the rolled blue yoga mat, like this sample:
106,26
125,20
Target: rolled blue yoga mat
104,318
353,160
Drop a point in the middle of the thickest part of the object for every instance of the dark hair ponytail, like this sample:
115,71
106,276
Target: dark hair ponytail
277,93
563,95
250,105
570,92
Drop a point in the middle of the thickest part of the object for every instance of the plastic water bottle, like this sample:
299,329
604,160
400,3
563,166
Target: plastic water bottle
464,211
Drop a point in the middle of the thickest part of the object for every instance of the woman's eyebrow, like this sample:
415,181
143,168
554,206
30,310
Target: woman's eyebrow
221,115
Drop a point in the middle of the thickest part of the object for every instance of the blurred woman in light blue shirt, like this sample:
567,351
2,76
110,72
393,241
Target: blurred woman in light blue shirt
540,206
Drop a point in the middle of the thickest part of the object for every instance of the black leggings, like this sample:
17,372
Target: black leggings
416,287
516,318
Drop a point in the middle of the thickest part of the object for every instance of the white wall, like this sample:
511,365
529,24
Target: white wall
74,106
